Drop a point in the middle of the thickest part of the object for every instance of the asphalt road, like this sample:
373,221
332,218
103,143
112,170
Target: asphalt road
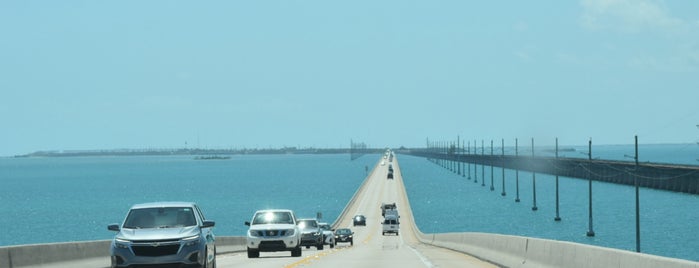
371,248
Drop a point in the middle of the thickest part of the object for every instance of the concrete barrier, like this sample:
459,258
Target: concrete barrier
43,254
83,254
518,251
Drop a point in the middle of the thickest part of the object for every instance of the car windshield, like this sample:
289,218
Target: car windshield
273,217
307,224
168,217
343,231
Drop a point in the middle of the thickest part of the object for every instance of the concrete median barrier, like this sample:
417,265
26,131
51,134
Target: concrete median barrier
83,254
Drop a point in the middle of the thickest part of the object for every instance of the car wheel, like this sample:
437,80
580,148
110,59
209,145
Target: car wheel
319,247
351,242
296,252
253,253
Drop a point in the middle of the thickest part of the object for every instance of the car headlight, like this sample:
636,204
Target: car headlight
290,232
254,233
191,241
121,243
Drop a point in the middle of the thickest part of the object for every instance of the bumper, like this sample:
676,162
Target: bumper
185,257
343,239
271,245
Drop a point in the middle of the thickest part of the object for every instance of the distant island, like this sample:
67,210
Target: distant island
201,153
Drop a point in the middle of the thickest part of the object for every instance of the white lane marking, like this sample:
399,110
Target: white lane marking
422,258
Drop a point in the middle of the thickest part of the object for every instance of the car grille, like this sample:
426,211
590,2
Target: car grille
272,233
156,248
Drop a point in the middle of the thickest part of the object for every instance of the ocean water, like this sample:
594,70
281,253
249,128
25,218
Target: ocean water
74,199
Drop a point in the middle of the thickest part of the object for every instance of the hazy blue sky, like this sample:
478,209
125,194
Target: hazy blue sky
222,74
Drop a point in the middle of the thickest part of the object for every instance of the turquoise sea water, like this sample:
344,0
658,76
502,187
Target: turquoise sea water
74,199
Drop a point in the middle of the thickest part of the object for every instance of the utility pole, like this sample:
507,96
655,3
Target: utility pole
638,214
590,232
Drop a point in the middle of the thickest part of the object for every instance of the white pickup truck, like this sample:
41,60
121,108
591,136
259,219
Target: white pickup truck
273,230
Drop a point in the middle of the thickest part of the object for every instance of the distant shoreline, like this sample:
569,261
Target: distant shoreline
195,152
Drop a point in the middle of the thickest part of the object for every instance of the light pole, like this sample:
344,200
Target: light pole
638,214
492,179
558,217
517,171
590,232
534,208
503,168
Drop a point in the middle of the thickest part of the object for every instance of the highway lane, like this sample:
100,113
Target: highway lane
371,248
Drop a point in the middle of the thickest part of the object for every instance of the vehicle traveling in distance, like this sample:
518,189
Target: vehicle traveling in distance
311,234
390,224
359,219
344,235
273,230
328,235
387,206
165,234
391,221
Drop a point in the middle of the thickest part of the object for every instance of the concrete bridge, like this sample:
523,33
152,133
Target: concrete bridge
411,248
669,177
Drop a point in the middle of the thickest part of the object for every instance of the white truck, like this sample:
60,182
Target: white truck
273,230
391,221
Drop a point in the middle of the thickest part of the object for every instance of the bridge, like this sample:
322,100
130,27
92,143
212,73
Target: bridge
411,248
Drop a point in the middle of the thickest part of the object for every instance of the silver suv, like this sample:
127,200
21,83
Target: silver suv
273,230
311,234
165,233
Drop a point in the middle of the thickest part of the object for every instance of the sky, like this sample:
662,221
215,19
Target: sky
82,75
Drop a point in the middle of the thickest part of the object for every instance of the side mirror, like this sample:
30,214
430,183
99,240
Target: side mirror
247,223
113,227
208,224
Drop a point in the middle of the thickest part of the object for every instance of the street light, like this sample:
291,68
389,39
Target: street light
590,232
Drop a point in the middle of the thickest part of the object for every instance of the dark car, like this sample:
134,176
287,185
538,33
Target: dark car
165,233
311,233
359,220
344,235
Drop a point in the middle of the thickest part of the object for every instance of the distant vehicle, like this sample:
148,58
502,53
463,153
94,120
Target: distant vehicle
359,220
344,235
164,233
391,212
311,234
328,235
390,167
390,175
386,206
273,230
390,224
